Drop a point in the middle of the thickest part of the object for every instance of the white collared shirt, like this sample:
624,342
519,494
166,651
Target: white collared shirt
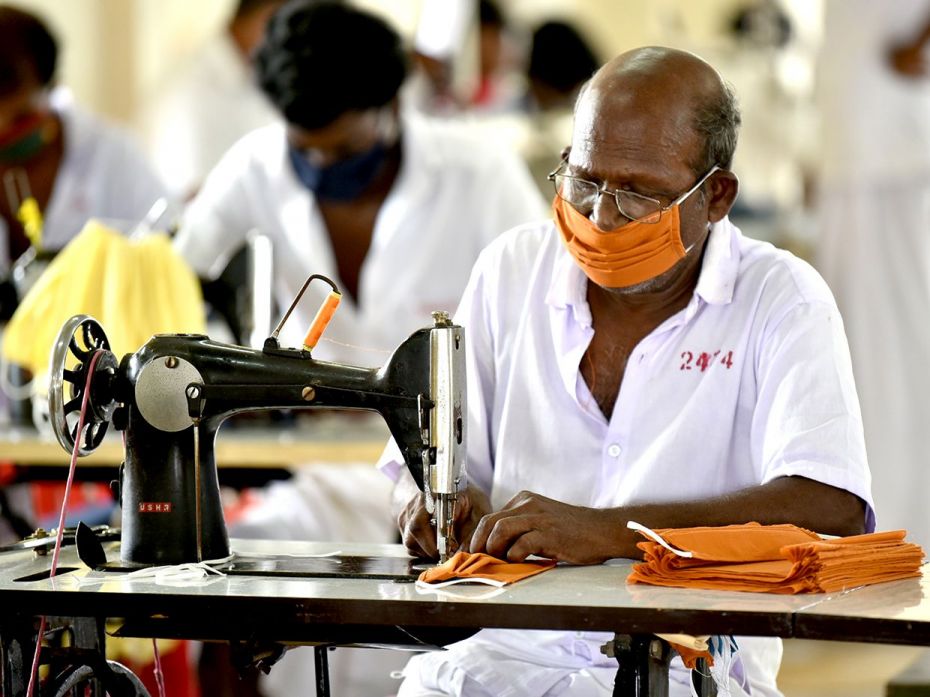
454,193
749,382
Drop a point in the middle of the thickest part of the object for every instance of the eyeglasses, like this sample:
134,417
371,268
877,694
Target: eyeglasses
582,195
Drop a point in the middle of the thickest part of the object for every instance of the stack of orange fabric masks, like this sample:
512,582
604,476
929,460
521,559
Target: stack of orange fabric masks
773,559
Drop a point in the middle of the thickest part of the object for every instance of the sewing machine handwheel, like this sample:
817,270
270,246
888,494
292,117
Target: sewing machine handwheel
81,679
80,338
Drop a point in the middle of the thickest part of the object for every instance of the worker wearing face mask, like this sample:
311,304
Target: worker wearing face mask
59,165
639,359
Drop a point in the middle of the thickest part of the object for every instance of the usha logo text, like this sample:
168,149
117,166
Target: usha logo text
155,507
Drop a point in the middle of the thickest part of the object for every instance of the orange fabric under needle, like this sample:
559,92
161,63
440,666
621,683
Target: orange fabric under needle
478,565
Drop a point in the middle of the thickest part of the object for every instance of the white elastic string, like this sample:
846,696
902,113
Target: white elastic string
180,574
456,581
653,535
192,573
462,594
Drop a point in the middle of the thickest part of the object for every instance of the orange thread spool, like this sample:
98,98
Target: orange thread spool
320,322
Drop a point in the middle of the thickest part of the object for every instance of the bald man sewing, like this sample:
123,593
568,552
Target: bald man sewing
639,359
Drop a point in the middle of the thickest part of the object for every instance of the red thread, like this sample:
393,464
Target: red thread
64,507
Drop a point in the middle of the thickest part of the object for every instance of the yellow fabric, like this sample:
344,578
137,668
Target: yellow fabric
30,217
134,288
775,559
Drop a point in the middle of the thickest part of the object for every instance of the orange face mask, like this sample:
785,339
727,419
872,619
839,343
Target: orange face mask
630,254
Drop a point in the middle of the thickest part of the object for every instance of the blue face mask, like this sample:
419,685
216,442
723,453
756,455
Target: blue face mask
341,181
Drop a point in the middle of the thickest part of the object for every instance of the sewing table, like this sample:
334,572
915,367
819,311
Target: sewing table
263,612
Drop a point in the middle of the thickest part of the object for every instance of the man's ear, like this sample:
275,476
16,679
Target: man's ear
565,151
722,188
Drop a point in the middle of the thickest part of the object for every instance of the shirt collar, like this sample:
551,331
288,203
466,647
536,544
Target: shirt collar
569,285
715,284
721,264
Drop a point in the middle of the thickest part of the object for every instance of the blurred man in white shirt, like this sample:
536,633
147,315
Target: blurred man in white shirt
211,103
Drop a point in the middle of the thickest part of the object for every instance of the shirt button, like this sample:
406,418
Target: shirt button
614,450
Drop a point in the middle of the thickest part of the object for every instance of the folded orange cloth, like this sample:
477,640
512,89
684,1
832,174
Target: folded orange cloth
689,652
774,559
477,565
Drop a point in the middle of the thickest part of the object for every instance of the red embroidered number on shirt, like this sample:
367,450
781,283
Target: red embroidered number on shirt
705,360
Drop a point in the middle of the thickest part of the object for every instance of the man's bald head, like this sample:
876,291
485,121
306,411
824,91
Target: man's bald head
682,94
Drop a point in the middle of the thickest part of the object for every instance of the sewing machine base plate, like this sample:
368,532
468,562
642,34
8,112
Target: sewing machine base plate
335,566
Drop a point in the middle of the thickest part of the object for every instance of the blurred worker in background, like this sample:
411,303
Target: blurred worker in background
212,103
394,208
59,167
874,209
71,165
444,62
560,62
499,84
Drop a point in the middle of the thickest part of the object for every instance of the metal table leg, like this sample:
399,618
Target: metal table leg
17,640
642,667
321,663
702,680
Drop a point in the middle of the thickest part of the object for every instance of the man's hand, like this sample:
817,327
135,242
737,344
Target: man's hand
533,524
413,521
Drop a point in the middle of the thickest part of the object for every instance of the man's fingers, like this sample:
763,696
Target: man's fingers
497,532
418,547
525,545
479,537
420,538
417,532
504,533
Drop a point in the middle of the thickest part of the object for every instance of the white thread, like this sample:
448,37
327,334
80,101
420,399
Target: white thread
176,575
353,346
462,594
456,581
652,534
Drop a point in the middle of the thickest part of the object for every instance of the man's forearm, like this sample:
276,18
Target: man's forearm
798,500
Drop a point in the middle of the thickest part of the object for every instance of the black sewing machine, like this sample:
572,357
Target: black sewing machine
171,396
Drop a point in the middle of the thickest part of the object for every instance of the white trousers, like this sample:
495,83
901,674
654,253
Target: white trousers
476,668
